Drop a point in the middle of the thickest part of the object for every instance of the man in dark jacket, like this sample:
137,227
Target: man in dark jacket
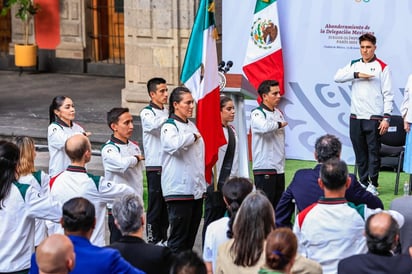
382,237
129,218
304,189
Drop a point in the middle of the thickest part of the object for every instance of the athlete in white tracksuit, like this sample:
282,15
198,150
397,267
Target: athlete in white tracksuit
61,127
153,118
183,173
122,159
268,142
20,205
371,107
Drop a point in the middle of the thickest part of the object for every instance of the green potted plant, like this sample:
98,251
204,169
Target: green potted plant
25,54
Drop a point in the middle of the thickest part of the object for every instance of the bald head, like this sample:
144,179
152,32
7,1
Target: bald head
55,255
382,233
78,148
380,223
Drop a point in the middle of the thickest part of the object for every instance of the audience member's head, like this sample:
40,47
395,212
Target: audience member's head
128,214
78,148
281,248
327,147
382,233
253,223
188,262
27,155
9,158
78,217
334,175
234,192
55,254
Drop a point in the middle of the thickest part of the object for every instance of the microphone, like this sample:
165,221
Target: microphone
229,64
221,66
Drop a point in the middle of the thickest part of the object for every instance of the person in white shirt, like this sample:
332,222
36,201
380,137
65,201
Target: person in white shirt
234,192
371,108
28,174
183,173
227,165
20,205
406,111
333,229
153,116
268,142
76,182
122,158
61,127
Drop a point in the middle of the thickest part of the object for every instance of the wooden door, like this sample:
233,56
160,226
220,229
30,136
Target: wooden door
5,30
108,31
116,29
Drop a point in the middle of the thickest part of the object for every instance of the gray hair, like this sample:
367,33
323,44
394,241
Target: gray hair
127,211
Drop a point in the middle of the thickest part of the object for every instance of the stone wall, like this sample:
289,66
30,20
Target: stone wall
156,36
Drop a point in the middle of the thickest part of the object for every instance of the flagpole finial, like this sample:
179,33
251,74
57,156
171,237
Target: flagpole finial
211,7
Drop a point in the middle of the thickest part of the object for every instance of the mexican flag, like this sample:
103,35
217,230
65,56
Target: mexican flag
200,75
264,59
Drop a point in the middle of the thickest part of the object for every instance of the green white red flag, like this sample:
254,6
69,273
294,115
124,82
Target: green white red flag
264,59
200,75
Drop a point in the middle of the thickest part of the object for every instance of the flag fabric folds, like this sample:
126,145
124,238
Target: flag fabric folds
200,76
263,60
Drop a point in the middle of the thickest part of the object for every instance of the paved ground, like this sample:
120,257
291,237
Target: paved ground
25,100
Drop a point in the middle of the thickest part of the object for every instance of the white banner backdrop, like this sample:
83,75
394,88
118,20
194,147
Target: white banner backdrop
318,37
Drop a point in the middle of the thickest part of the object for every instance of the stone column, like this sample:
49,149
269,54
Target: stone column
156,36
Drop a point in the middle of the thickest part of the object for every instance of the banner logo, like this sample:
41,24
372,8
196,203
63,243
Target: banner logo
264,33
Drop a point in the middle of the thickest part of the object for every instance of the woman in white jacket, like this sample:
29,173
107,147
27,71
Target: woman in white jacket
61,127
183,168
406,110
28,174
20,204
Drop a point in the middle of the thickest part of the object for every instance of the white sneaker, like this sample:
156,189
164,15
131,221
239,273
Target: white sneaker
161,243
372,189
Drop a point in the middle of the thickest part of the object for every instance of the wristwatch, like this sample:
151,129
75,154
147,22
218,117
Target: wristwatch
387,119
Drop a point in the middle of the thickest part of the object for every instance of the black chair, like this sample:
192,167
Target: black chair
393,148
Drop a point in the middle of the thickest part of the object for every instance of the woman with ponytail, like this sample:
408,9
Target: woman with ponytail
20,204
183,171
61,127
281,247
234,192
245,252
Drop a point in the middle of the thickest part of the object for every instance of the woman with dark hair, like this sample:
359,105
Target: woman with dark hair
20,204
27,174
183,167
234,192
281,247
227,165
245,253
61,127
